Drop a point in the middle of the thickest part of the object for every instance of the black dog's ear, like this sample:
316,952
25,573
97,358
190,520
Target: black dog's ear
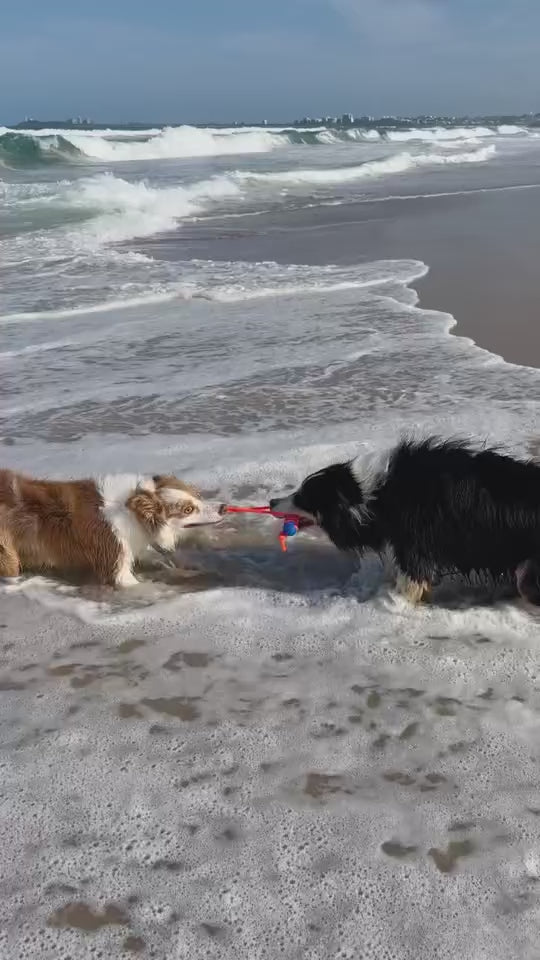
343,508
342,521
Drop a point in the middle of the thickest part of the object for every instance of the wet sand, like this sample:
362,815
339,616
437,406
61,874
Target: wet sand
482,250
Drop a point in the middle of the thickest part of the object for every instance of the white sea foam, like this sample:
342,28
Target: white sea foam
399,163
387,353
441,134
15,194
111,209
235,282
114,208
158,207
268,773
510,130
130,209
361,134
113,146
174,142
111,132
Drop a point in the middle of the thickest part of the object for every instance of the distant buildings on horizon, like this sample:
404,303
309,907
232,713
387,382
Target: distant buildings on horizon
393,120
71,121
343,121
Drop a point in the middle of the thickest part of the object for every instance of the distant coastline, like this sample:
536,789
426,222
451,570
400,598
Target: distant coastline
82,125
345,120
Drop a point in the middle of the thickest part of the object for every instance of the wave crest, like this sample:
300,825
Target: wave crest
33,148
20,150
135,209
399,163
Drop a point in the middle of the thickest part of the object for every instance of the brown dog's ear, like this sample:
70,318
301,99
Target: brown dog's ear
148,508
167,480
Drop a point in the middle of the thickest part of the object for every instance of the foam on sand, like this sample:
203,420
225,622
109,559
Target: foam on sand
269,772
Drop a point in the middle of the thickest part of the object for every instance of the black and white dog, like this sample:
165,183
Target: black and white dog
440,506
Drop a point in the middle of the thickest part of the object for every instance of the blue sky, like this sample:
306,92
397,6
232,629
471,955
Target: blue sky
204,60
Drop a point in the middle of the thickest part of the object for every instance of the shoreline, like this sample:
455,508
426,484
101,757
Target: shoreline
488,280
480,249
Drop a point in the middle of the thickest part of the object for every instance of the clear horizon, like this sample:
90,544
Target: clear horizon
295,58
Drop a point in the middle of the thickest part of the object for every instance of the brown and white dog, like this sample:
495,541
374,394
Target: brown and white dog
100,528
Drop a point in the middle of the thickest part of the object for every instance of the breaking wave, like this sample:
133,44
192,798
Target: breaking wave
20,150
112,208
34,148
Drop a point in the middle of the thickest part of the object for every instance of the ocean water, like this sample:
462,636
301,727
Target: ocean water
258,756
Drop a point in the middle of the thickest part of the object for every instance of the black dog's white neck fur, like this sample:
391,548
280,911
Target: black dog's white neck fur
342,500
370,474
441,506
350,516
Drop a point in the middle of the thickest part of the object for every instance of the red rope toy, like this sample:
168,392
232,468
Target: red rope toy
292,522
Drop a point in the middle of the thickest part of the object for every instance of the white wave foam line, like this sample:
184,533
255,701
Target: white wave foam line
68,313
238,281
437,134
174,142
331,136
509,188
509,130
135,134
374,168
183,142
109,132
361,134
217,134
263,280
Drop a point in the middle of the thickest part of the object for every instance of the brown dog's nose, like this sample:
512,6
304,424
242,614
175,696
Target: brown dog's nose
222,509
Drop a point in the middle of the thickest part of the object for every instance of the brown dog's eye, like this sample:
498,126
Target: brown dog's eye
189,508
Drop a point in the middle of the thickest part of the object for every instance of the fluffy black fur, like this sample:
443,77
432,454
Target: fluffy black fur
442,506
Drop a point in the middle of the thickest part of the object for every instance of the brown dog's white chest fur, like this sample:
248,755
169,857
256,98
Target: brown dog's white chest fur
96,527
